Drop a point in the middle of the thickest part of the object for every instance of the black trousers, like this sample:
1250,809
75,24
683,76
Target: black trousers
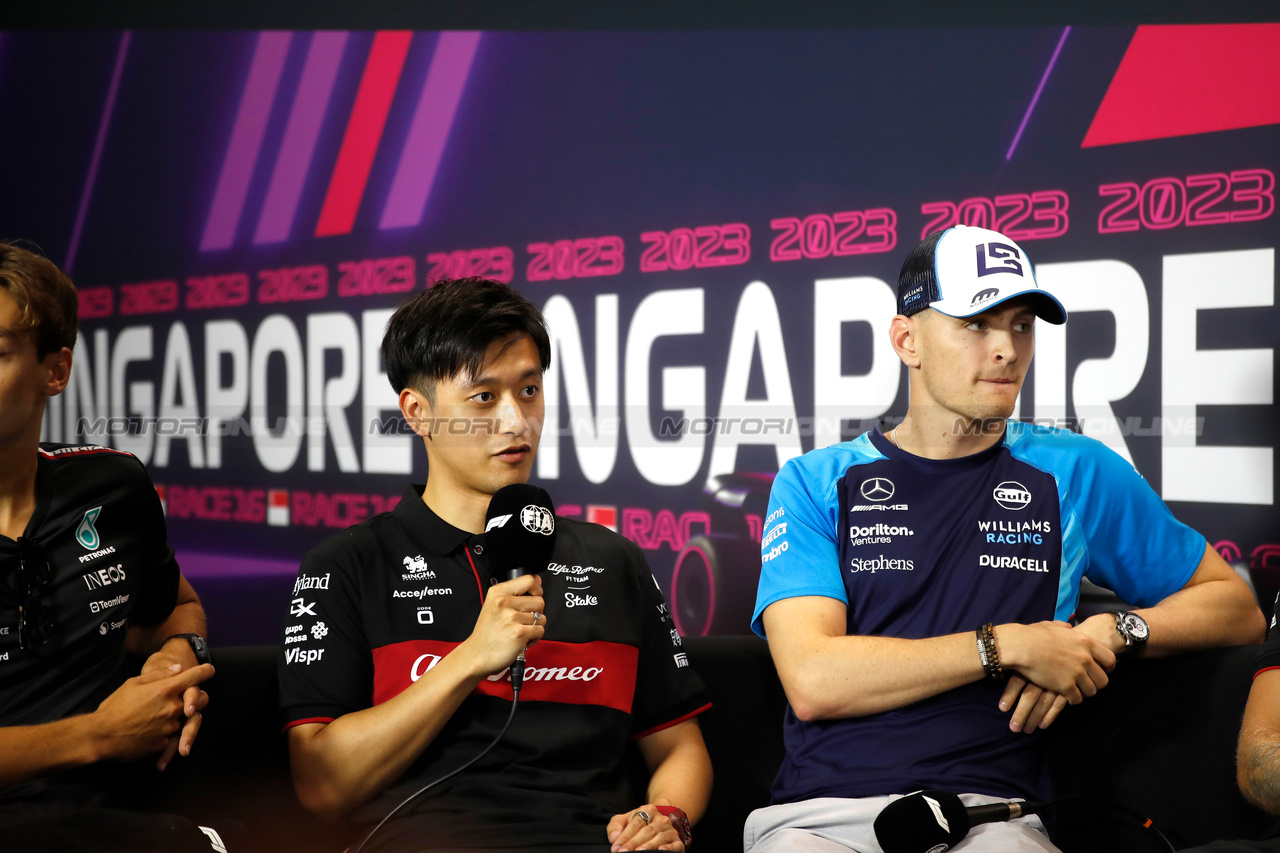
106,831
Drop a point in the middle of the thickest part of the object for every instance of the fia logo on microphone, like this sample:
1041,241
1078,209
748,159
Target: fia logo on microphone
538,519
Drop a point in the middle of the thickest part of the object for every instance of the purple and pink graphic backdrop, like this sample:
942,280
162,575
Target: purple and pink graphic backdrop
712,221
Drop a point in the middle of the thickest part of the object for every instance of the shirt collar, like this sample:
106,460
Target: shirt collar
430,530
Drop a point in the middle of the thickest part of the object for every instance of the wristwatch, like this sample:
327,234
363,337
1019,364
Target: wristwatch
199,647
1134,629
679,822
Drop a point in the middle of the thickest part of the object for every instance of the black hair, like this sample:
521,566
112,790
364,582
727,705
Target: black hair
445,331
918,279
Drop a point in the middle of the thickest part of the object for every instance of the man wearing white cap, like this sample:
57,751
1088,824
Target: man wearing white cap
917,583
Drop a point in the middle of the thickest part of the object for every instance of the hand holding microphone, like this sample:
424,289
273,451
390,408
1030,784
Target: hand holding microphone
520,535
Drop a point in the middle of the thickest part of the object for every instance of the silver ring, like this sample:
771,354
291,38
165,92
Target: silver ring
536,617
643,815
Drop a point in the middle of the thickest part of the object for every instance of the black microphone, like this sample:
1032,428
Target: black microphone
520,534
934,821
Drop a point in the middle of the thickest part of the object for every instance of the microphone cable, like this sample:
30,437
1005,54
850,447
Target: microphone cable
515,703
1144,822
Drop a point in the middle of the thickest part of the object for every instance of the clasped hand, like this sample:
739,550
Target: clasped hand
1053,665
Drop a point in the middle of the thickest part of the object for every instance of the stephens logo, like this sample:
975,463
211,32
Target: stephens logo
1011,495
881,564
538,519
878,489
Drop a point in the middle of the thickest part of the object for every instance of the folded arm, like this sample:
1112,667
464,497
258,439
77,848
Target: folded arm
1214,608
828,674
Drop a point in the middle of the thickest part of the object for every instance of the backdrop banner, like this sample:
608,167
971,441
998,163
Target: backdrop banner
712,222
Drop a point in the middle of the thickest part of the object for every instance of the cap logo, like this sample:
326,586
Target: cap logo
1003,252
985,295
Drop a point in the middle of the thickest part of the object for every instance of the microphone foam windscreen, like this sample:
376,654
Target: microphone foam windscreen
923,822
520,528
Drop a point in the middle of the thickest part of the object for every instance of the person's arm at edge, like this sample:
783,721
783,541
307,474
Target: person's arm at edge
681,776
828,674
1258,753
1214,608
341,764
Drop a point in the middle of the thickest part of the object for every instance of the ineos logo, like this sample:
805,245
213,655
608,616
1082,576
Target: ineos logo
1011,495
877,489
538,519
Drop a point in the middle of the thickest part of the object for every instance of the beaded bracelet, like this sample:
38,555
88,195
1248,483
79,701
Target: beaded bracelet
988,653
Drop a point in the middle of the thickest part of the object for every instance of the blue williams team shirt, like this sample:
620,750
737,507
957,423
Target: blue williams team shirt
920,548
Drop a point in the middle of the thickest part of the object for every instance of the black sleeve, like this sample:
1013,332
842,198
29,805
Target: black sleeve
158,592
1269,653
668,691
325,666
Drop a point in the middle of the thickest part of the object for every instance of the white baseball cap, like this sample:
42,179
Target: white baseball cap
964,271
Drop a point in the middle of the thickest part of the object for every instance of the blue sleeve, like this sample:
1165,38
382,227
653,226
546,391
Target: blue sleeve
1136,547
798,552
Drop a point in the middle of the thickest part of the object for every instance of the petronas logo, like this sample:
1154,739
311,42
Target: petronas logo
85,533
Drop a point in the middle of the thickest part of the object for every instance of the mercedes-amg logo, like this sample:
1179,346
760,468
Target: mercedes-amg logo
877,489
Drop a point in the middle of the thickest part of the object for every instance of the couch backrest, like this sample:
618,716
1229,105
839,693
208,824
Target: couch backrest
1159,739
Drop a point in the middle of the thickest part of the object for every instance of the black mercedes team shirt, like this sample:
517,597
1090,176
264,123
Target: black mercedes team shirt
99,524
378,605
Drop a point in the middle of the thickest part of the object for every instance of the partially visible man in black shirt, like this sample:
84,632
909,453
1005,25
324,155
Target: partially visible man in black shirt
87,575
